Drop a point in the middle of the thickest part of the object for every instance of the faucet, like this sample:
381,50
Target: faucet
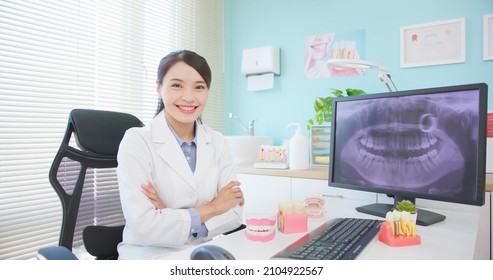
249,128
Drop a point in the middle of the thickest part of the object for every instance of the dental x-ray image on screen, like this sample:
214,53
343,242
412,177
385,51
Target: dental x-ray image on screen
427,143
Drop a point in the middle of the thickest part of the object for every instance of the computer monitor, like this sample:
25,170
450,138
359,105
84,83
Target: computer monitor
424,143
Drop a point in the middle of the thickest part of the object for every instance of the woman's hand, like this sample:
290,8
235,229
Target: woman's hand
151,194
228,197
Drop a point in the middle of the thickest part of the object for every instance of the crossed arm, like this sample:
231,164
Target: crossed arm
227,198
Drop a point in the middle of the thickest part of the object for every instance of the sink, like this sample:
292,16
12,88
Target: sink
244,149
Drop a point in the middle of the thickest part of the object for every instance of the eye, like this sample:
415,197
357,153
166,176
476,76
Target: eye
175,85
200,88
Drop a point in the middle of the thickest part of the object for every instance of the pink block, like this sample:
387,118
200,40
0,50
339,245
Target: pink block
292,223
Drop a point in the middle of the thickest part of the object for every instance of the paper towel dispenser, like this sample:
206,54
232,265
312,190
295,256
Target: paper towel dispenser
261,60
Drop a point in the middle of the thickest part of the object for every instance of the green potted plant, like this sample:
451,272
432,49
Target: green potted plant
406,205
323,105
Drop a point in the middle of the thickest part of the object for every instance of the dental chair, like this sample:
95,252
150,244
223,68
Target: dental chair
97,134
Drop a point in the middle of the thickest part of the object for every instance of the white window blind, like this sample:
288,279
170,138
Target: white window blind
59,55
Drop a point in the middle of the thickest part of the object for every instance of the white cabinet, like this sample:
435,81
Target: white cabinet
263,193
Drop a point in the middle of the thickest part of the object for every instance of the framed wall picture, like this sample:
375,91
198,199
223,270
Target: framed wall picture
488,37
434,43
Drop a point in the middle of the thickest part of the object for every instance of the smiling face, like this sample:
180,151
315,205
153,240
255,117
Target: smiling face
184,93
317,46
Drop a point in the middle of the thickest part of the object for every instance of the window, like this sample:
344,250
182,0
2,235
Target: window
60,55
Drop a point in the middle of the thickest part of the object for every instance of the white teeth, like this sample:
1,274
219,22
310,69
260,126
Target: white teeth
419,147
415,142
425,142
260,230
433,153
423,158
369,160
361,155
363,140
416,165
432,139
434,157
424,162
369,143
187,108
409,144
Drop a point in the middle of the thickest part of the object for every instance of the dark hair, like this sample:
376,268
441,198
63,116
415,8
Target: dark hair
191,58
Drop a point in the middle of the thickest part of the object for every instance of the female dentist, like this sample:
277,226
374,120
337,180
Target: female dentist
176,176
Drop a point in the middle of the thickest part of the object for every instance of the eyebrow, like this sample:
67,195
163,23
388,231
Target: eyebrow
180,80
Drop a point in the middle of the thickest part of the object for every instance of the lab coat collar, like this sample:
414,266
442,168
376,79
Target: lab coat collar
205,154
169,150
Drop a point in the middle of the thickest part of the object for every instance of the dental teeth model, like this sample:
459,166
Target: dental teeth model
292,217
260,227
272,154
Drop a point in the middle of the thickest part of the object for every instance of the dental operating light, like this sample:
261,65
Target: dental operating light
365,64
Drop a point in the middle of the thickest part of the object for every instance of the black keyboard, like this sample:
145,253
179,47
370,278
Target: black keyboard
338,239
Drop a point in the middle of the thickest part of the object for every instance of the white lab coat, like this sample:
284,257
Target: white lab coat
152,153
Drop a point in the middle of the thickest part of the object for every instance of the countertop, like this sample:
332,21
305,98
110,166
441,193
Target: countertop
315,172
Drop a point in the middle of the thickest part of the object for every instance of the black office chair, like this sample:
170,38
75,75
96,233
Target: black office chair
98,135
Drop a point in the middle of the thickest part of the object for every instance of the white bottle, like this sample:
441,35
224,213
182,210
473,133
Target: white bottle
298,155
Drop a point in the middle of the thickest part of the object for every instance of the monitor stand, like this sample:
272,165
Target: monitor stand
425,218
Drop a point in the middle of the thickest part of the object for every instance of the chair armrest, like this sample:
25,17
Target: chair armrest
55,253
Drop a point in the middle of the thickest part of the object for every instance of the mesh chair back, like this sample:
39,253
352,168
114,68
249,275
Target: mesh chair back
97,134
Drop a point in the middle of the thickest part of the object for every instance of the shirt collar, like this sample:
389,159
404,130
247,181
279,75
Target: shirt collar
180,141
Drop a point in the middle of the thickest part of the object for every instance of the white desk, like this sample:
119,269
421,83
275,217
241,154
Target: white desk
452,239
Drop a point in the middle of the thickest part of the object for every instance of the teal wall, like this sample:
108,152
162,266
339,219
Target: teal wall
286,23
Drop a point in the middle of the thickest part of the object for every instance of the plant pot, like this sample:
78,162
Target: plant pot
414,217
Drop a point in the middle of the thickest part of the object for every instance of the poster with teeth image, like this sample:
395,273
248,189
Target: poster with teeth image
418,143
342,45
